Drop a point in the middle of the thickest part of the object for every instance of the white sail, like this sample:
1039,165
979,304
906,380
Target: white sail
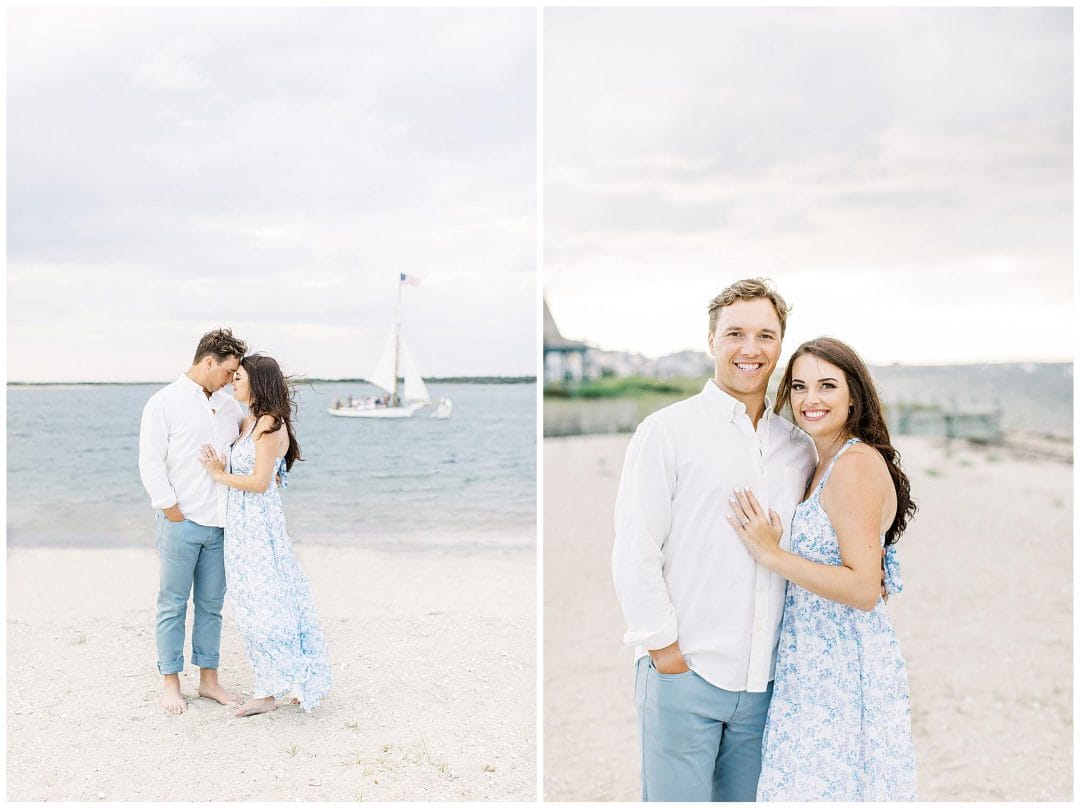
415,389
383,375
395,360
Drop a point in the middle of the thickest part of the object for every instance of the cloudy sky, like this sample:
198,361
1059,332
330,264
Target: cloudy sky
904,175
170,171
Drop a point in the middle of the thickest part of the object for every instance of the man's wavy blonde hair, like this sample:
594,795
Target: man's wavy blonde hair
749,289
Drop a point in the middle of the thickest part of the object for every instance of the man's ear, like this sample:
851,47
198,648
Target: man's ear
709,342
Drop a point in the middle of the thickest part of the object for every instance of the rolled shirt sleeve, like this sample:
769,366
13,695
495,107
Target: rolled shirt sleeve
153,450
642,523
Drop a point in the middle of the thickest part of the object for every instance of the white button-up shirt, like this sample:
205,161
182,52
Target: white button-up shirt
681,572
176,422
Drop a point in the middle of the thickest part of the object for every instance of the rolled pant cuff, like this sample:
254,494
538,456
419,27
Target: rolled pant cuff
204,661
170,667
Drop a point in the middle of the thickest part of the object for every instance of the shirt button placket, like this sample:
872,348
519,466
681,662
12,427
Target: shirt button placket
754,677
214,426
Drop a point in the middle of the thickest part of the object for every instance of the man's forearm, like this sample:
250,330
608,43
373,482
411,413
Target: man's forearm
669,659
173,513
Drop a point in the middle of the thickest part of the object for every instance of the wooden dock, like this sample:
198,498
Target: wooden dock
977,424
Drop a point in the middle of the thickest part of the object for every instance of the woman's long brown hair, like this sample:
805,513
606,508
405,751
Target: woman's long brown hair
271,394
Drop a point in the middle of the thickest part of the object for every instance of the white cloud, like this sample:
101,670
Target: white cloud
883,156
177,167
170,70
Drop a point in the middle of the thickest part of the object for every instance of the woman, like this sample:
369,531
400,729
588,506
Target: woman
275,612
839,725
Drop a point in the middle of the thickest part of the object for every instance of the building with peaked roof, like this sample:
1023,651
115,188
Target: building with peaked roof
564,359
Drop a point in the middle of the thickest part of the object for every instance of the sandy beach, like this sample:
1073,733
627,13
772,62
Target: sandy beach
434,696
985,623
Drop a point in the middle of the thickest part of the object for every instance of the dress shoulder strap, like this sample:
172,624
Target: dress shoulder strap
851,442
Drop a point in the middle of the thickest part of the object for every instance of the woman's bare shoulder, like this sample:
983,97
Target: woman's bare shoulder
264,424
861,470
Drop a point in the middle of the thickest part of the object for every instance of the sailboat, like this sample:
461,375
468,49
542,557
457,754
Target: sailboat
395,360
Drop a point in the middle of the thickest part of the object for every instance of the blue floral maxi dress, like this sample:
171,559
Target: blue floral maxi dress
275,612
839,725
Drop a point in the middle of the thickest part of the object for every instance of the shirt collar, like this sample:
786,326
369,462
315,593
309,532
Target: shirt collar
730,406
194,386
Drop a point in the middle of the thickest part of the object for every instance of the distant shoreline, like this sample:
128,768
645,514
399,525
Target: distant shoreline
427,380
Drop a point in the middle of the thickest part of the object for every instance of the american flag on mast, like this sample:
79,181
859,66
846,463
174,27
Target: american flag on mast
409,280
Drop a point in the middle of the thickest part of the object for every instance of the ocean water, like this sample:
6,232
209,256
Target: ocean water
1031,397
465,481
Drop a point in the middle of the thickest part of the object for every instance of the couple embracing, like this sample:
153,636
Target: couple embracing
212,473
749,556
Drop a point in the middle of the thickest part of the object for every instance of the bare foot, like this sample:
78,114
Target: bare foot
255,707
171,698
210,688
218,694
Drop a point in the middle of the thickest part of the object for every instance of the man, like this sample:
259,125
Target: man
704,616
176,422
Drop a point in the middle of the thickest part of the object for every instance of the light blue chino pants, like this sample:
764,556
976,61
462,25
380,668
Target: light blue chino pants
190,555
699,743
